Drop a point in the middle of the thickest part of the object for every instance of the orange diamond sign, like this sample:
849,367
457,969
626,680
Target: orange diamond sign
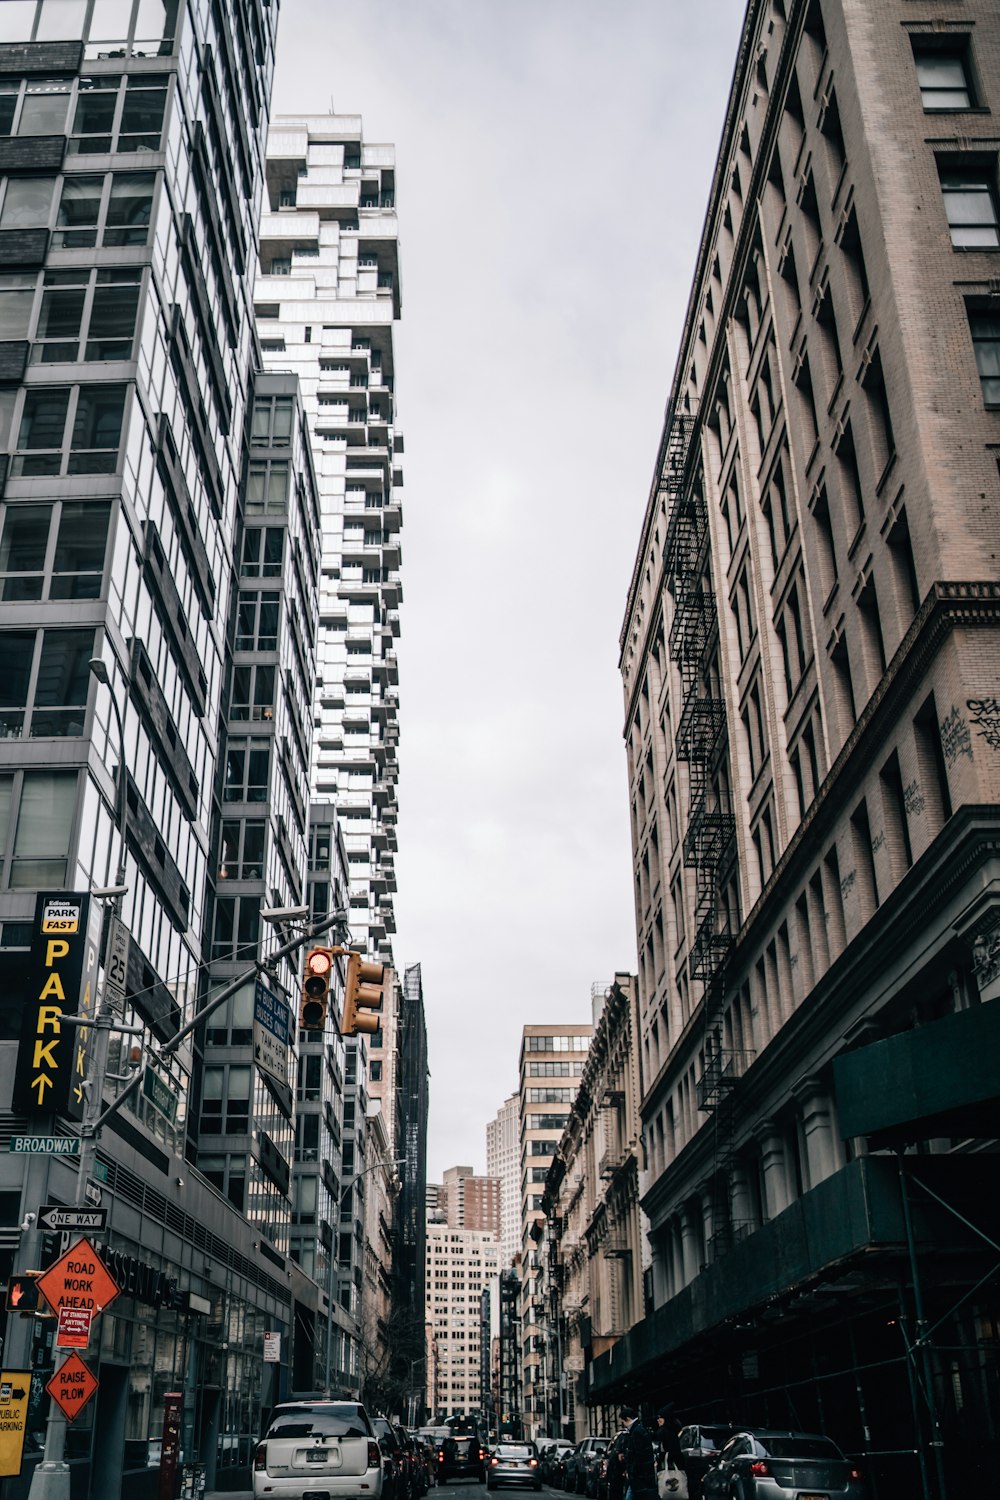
79,1279
72,1386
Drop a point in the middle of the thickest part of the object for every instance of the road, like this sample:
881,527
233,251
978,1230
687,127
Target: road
461,1489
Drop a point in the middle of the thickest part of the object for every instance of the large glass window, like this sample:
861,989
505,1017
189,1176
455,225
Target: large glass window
944,80
986,342
17,296
44,107
87,444
27,202
247,768
257,622
87,315
241,849
125,208
44,681
44,826
53,551
262,551
970,204
94,119
267,488
253,693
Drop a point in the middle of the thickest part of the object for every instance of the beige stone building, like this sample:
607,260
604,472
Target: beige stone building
810,663
467,1201
595,1241
503,1160
461,1263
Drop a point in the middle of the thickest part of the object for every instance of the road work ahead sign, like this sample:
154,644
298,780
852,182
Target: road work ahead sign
62,980
79,1279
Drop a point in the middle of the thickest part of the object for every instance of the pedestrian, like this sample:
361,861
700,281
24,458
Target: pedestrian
668,1435
640,1464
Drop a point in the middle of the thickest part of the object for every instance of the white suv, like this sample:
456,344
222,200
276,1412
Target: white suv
318,1450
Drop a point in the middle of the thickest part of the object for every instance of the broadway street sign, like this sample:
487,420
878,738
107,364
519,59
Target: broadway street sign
45,1145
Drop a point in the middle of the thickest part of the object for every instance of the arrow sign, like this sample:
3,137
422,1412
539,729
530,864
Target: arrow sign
85,1220
14,1388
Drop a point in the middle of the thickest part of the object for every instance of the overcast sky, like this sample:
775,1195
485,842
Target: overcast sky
553,166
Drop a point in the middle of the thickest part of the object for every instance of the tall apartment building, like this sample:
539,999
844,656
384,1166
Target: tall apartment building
551,1065
131,171
503,1161
326,301
460,1265
466,1201
809,658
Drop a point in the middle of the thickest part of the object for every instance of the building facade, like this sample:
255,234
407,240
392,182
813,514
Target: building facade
809,640
551,1065
503,1161
131,174
460,1265
466,1201
594,1248
326,300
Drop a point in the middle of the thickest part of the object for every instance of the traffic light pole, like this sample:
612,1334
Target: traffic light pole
51,1479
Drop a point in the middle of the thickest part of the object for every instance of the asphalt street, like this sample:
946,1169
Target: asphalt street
455,1487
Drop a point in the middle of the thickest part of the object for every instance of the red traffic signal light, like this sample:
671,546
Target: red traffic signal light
363,995
316,979
22,1292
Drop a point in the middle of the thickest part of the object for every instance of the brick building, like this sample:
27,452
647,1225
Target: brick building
809,658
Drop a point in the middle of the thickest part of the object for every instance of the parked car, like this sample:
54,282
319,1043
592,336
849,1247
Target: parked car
609,1477
768,1465
700,1447
310,1445
513,1463
461,1457
395,1470
555,1451
580,1462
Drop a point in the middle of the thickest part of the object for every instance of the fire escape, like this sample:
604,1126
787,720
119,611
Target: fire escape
700,742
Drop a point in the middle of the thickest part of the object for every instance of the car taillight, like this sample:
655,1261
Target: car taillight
855,1474
440,1458
374,1456
533,1462
494,1462
260,1457
482,1453
760,1469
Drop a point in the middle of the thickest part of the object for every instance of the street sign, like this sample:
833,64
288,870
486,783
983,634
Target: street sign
271,1033
116,964
160,1094
79,1279
92,1192
72,1386
15,1389
272,1348
84,1220
45,1145
73,1329
61,979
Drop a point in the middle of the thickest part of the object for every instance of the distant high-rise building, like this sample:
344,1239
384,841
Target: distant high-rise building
466,1201
551,1065
503,1161
461,1264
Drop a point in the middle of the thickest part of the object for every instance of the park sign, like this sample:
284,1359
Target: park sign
61,979
15,1390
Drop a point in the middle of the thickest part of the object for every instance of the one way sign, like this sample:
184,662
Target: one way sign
86,1220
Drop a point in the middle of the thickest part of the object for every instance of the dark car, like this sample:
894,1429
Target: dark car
395,1469
768,1465
609,1471
580,1462
513,1463
460,1457
700,1446
550,1458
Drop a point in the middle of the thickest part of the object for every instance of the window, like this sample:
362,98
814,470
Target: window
225,1101
262,551
267,488
99,315
247,771
44,107
44,682
70,430
943,78
53,551
970,206
241,850
272,422
27,202
257,621
236,927
44,824
113,210
985,328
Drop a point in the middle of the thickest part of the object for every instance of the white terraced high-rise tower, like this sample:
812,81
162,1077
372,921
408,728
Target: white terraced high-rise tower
326,301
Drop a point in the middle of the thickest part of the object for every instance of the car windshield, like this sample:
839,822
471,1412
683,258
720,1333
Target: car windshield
715,1436
514,1450
801,1448
318,1421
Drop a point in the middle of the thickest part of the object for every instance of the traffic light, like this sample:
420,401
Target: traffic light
362,996
22,1292
316,977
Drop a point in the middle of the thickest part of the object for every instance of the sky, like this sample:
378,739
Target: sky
553,163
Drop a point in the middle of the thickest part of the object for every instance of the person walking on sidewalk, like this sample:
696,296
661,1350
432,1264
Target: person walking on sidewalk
640,1466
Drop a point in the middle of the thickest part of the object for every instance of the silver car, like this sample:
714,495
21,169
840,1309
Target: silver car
769,1465
513,1463
318,1450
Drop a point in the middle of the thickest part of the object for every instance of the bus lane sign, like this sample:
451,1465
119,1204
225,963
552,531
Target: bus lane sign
15,1388
72,1386
79,1279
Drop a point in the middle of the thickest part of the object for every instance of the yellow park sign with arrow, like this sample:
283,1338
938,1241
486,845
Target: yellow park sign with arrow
15,1389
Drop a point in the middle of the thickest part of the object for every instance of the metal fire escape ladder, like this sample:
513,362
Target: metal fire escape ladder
711,826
